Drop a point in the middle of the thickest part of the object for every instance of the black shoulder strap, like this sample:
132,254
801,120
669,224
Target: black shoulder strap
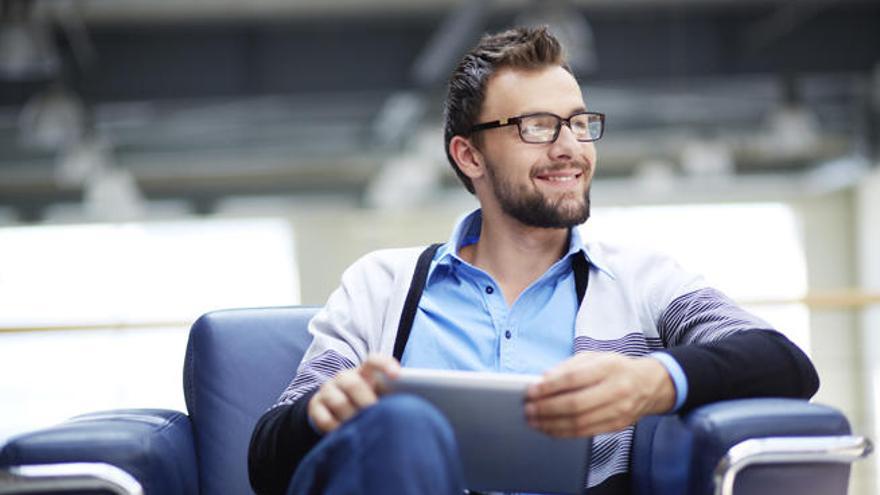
581,268
579,264
411,303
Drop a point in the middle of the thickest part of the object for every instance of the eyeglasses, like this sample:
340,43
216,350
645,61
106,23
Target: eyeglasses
543,127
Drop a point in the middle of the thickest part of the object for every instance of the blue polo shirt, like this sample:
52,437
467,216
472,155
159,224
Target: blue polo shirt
464,323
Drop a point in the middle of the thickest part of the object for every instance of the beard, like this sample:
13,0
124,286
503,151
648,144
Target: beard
531,207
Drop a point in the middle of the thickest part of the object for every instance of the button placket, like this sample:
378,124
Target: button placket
508,348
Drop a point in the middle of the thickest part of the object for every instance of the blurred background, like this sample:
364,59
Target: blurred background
163,158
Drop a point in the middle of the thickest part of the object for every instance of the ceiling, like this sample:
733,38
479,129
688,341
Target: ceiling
204,100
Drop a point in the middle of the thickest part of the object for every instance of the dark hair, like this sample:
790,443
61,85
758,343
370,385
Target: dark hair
520,48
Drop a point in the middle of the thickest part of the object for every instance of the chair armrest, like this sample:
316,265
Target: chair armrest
675,455
153,446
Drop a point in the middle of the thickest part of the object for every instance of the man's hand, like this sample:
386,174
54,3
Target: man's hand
348,392
598,392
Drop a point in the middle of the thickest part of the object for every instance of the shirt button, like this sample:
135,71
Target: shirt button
507,334
489,289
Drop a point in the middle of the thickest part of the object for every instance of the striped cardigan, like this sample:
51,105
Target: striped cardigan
637,302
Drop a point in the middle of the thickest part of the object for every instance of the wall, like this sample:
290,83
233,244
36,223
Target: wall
867,203
328,241
842,241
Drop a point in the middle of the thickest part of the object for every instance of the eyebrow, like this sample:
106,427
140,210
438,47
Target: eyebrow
577,109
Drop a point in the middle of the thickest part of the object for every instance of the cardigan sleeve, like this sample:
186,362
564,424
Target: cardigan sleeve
728,353
281,439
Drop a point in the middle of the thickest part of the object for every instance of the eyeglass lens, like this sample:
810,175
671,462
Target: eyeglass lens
544,128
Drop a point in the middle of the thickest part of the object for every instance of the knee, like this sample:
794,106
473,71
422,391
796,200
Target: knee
401,444
410,417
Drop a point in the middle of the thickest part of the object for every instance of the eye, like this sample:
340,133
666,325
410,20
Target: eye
586,126
539,124
580,125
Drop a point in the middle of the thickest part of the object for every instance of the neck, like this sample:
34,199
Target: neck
515,255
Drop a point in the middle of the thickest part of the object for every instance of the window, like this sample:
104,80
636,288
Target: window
134,288
751,252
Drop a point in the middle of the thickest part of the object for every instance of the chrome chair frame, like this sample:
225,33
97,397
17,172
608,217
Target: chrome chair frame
68,477
786,450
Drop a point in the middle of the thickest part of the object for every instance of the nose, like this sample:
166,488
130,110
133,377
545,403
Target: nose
566,145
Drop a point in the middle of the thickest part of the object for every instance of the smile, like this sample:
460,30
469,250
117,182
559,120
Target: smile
560,177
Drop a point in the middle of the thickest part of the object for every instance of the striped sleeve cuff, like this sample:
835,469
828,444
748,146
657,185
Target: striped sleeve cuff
678,378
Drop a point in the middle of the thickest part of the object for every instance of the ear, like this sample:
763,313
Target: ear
469,159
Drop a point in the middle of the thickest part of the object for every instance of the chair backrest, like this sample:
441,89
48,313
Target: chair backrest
237,363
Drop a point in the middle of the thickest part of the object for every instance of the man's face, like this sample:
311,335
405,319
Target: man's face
540,185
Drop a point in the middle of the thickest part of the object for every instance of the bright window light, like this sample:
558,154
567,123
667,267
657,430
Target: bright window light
150,272
158,277
751,252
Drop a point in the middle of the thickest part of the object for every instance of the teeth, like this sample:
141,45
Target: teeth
561,179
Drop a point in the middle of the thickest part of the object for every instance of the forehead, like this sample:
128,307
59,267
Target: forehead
515,91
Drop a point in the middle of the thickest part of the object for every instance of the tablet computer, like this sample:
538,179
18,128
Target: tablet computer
499,450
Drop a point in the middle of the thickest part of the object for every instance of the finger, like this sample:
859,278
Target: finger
609,391
321,416
572,374
359,392
376,364
568,403
382,361
608,416
337,402
573,421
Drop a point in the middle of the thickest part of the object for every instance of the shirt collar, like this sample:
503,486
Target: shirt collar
467,231
594,256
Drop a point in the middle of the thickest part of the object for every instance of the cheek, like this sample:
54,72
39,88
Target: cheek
517,161
590,153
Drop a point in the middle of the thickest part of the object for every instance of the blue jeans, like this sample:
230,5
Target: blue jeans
401,445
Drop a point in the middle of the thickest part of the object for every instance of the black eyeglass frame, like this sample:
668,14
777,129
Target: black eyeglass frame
561,121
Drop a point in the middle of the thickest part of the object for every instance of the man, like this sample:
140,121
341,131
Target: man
617,334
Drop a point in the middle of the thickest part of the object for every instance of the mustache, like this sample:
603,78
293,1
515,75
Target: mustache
583,166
